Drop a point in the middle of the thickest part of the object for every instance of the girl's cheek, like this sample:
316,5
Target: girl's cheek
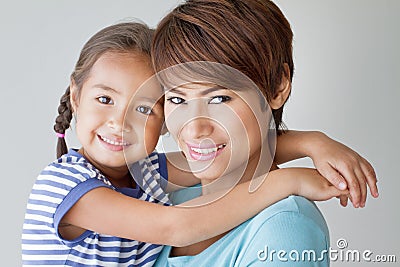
152,133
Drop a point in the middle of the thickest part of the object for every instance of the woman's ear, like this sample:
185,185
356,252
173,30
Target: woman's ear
164,129
283,90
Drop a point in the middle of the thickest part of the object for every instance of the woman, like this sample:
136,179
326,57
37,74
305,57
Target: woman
222,126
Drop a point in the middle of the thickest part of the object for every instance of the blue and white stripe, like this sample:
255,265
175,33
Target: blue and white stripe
41,244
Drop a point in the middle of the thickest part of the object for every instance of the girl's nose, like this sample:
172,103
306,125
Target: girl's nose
118,122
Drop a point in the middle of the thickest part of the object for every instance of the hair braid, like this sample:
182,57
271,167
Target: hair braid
63,121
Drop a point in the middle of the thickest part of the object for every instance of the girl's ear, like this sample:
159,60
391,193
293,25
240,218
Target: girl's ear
73,95
283,90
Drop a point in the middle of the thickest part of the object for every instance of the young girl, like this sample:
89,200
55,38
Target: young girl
85,209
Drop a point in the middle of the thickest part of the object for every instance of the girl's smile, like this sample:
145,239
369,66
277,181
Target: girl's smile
113,144
118,113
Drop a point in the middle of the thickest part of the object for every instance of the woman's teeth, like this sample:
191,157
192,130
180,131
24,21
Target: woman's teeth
207,150
112,142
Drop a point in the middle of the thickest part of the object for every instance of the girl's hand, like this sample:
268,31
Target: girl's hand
312,185
344,168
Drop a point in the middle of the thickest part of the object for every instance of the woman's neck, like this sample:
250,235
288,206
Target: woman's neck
258,164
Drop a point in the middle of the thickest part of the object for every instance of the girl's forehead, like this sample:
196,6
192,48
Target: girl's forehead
150,88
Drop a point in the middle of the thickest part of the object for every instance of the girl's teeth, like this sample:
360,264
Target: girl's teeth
207,150
115,143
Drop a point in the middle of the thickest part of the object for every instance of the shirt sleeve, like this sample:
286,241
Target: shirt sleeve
62,185
286,239
69,201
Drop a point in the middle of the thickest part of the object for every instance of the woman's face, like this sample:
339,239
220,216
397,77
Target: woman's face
219,130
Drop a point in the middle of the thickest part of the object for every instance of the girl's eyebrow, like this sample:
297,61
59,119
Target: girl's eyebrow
105,87
145,98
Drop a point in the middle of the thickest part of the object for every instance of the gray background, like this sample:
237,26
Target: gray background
346,85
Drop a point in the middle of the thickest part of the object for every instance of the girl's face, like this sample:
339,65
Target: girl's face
218,130
109,122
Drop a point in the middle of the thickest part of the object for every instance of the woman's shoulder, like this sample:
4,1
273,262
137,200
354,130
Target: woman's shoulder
295,204
292,224
291,210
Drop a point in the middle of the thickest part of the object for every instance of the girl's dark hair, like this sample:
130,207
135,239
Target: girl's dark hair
252,36
127,37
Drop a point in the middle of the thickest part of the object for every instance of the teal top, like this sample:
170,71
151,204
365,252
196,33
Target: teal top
291,232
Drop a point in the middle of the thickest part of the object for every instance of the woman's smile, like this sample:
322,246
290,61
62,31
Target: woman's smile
204,152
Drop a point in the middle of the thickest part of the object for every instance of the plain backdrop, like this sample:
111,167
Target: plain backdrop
346,84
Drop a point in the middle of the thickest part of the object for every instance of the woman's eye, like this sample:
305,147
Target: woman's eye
219,99
105,100
176,100
144,109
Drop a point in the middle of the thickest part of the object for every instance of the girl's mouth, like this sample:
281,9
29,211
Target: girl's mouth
113,144
204,153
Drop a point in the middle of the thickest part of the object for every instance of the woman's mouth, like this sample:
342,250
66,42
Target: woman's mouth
204,153
114,144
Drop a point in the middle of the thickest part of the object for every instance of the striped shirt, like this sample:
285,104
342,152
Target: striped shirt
58,187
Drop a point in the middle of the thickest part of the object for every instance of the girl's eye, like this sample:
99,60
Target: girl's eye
105,100
176,100
144,109
219,99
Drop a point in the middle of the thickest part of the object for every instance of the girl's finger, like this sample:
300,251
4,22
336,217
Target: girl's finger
343,200
371,179
363,185
334,192
353,185
333,176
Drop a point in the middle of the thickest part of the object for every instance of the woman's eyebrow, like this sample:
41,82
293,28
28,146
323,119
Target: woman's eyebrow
203,93
212,89
176,91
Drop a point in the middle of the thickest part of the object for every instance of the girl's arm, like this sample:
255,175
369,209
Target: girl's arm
342,166
106,211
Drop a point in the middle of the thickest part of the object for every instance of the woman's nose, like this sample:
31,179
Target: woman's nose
198,124
198,128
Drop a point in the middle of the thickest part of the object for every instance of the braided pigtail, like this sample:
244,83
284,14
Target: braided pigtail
63,121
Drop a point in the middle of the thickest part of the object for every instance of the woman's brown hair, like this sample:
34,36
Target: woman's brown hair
252,36
127,37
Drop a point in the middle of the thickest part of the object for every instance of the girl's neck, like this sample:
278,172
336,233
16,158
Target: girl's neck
118,176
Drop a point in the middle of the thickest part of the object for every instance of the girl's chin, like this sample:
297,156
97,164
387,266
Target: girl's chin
132,155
